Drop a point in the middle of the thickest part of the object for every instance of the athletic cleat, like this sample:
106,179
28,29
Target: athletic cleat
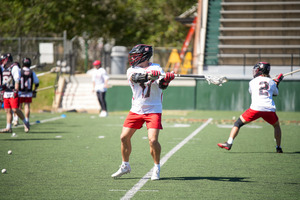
225,145
5,130
124,169
155,174
103,114
26,127
279,150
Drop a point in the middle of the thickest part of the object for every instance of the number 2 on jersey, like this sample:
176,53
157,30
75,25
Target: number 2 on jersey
263,89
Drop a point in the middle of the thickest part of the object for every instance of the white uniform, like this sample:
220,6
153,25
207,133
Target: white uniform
262,90
146,97
99,77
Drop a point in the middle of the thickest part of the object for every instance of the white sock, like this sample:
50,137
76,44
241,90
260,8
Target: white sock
157,165
15,118
26,119
8,126
230,140
125,163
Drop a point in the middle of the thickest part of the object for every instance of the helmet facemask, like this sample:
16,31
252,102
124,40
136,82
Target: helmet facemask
140,53
261,68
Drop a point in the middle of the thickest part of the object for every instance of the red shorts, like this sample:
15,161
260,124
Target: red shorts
133,120
251,115
11,103
25,100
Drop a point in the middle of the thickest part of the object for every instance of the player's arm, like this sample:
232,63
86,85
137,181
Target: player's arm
36,81
16,73
144,77
164,83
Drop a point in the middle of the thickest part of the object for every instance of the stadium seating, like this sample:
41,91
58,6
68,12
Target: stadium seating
250,31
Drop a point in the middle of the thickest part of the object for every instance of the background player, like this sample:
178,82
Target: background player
26,91
146,87
262,89
100,85
10,82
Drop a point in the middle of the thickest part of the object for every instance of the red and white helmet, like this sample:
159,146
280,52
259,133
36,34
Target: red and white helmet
261,68
139,54
7,57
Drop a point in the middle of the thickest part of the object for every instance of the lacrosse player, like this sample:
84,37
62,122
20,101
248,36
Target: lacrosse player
10,82
146,85
26,92
262,89
100,85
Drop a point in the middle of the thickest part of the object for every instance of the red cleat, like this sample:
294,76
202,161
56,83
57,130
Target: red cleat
225,145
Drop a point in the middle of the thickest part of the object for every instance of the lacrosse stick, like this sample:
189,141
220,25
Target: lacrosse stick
216,80
290,73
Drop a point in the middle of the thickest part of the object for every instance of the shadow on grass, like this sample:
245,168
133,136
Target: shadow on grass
46,132
193,178
296,152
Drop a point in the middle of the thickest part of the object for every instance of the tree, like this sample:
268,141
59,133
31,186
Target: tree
127,21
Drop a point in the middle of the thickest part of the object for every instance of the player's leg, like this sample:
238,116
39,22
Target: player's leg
233,133
27,111
15,108
277,135
153,122
248,116
155,151
272,118
126,135
8,121
132,122
101,98
98,97
8,111
155,148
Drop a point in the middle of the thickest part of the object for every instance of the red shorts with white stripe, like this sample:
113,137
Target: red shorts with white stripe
251,115
11,103
133,120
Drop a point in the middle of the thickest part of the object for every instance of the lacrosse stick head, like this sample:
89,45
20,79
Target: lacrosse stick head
216,80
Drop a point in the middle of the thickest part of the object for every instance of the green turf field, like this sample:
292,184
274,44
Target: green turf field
73,157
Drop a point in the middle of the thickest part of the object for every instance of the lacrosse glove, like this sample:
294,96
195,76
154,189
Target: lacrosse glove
278,79
164,83
16,94
33,94
153,75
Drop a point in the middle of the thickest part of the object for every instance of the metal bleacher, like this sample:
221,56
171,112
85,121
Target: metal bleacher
252,31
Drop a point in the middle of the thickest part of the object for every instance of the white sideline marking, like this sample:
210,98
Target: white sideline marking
147,176
230,126
113,190
42,121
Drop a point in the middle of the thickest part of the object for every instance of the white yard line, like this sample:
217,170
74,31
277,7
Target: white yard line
146,178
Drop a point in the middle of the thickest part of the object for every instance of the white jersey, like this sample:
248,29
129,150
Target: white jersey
146,97
99,77
262,90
